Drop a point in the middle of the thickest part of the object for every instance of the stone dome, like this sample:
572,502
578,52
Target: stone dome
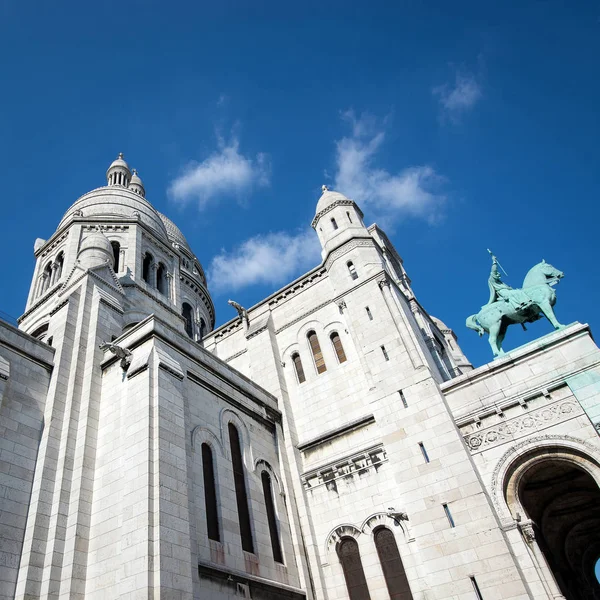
328,198
118,162
117,202
174,233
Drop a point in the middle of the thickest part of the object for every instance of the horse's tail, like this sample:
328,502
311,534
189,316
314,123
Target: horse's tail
472,323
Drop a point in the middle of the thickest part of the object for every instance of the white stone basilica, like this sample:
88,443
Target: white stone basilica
331,442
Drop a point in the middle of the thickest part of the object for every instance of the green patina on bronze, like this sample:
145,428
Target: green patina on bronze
507,306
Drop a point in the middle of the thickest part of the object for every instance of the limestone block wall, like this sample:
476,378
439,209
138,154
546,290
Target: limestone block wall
25,371
149,527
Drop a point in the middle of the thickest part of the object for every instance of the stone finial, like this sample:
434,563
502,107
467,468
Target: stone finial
325,188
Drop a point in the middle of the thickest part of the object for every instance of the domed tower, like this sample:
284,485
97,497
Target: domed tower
136,184
118,173
337,220
142,254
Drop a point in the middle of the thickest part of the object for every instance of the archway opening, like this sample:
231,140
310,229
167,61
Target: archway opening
563,502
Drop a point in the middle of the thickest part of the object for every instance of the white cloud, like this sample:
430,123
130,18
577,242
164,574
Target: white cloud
225,172
456,99
273,259
412,191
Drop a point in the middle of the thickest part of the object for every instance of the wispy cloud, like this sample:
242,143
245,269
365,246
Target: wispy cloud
225,172
413,191
273,259
458,98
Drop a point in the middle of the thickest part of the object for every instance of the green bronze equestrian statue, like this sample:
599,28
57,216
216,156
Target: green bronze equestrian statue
507,306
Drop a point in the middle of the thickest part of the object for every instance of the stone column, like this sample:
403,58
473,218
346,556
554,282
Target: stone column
546,575
152,277
53,277
170,294
122,260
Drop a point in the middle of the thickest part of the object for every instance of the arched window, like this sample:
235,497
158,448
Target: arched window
202,332
315,347
47,277
349,555
271,517
210,493
337,346
299,368
391,565
161,279
146,267
60,260
334,223
116,248
241,496
187,314
41,332
352,269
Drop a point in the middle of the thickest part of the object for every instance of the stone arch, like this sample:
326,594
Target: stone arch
382,519
338,533
201,435
550,485
263,465
539,444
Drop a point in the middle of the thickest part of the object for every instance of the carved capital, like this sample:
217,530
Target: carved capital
342,305
383,283
528,531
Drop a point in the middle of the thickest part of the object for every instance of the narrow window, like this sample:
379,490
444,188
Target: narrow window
116,248
448,515
337,346
146,267
316,351
49,342
476,588
299,368
349,556
210,494
391,565
186,313
271,518
369,313
424,452
349,217
241,495
403,398
202,328
334,224
352,270
384,352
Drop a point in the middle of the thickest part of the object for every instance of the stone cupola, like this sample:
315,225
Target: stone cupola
136,185
118,173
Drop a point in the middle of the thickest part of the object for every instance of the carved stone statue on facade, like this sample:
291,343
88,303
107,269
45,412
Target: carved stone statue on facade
242,312
508,306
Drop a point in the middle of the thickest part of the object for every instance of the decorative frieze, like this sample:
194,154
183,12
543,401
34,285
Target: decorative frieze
346,467
523,425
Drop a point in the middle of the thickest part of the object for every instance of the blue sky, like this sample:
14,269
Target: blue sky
456,126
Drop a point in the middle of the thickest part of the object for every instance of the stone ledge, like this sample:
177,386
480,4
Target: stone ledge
517,356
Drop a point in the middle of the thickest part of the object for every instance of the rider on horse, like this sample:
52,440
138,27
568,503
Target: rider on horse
499,290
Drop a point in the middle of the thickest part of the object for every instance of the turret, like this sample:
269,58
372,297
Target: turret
337,220
118,173
136,185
